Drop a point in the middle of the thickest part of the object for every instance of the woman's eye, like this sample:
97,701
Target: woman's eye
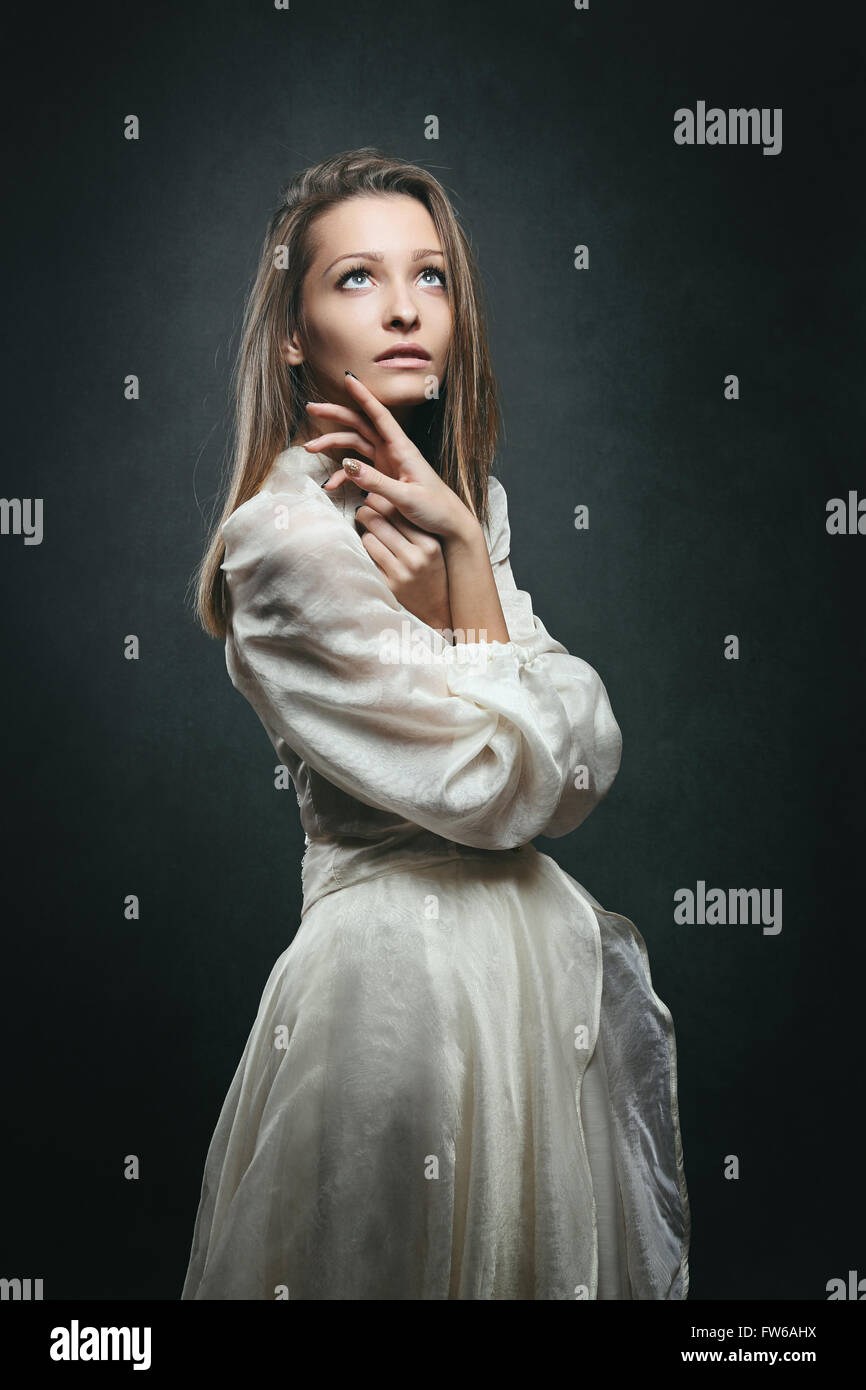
433,270
351,275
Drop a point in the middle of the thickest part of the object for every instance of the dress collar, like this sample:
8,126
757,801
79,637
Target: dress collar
296,460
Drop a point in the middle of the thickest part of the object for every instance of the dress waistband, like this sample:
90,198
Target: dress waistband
334,862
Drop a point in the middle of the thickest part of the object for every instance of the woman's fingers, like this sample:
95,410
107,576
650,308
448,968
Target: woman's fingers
369,479
388,563
378,413
416,534
333,410
389,512
389,533
347,439
362,437
327,410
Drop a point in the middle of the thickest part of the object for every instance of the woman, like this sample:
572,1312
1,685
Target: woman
460,1082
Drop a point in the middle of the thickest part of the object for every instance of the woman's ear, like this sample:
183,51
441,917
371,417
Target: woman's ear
291,350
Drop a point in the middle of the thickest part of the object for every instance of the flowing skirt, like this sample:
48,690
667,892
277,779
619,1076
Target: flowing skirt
460,1083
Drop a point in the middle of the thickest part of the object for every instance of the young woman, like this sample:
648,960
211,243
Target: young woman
460,1082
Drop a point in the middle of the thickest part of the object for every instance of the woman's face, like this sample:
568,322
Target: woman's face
377,280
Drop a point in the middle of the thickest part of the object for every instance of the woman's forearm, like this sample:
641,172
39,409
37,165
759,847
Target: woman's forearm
476,613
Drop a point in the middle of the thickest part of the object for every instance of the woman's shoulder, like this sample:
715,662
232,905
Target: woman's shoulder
293,476
283,506
285,537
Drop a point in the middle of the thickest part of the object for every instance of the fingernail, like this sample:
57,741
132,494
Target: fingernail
348,373
352,467
325,483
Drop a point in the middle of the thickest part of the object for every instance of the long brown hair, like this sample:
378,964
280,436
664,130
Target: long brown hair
457,433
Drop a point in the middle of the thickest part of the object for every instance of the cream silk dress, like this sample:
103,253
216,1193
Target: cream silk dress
460,1083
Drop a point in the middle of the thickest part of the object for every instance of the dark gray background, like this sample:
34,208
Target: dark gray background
707,517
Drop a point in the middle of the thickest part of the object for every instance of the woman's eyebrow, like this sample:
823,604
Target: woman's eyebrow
417,255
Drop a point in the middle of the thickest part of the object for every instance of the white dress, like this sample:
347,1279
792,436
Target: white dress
460,1082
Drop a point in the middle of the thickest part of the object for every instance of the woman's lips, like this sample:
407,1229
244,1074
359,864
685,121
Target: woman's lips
402,362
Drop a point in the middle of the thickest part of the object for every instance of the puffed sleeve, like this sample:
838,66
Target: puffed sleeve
485,743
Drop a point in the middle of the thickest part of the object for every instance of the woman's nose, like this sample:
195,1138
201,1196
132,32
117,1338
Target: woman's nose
402,309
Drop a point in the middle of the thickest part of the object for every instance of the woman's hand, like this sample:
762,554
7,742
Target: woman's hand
398,472
401,476
410,559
